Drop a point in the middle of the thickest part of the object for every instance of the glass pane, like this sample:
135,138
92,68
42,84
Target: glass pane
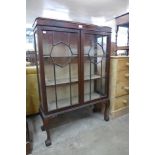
95,47
60,50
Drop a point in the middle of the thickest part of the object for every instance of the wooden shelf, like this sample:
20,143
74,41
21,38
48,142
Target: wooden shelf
72,59
66,102
66,81
93,96
59,60
72,56
48,56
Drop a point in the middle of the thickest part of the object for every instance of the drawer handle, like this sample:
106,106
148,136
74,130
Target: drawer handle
126,88
127,64
127,75
125,101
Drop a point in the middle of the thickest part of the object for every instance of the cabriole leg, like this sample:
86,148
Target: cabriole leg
46,128
106,111
42,128
48,140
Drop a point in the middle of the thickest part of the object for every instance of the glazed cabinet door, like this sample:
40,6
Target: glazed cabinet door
95,52
60,59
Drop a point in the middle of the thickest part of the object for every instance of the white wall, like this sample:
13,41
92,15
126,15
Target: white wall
112,24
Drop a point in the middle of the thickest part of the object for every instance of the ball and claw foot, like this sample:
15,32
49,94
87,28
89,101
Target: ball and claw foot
42,128
106,118
48,142
106,111
94,110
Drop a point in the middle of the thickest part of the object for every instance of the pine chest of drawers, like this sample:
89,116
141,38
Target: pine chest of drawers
119,85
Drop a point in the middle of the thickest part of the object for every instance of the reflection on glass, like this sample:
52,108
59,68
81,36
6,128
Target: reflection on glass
95,47
96,53
61,68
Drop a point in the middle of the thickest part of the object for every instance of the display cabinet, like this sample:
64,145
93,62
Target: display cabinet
73,67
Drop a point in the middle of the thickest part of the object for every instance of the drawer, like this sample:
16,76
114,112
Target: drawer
122,88
120,102
123,64
122,76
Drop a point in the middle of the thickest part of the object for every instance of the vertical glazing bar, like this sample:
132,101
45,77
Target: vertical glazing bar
81,64
70,72
55,87
101,69
95,62
90,82
70,83
101,80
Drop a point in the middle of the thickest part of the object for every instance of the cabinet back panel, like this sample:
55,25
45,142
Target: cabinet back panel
60,73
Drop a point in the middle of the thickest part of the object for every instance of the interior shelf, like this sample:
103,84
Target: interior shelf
48,56
72,58
74,79
66,102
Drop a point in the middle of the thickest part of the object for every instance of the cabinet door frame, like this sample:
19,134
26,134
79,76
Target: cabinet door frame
40,29
108,35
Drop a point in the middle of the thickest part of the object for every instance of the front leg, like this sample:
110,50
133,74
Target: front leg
106,111
46,128
48,140
42,128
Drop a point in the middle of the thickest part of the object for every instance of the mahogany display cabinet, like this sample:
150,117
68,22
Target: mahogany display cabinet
72,62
